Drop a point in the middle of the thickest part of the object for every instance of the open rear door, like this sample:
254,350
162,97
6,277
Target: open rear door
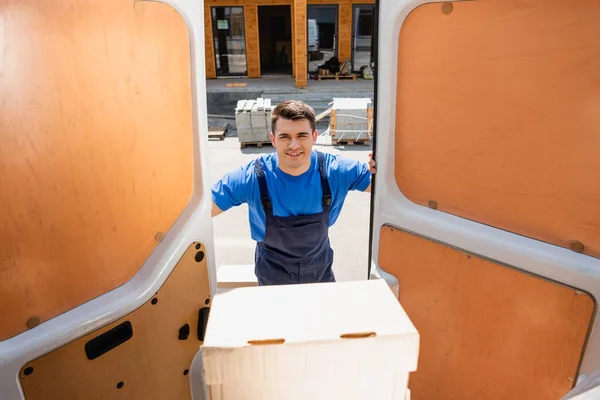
486,198
106,255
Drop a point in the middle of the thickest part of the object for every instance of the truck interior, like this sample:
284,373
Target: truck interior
484,211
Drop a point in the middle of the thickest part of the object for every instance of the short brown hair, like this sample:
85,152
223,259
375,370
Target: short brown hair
294,110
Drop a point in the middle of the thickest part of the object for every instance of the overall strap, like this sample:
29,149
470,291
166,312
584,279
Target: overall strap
262,184
324,182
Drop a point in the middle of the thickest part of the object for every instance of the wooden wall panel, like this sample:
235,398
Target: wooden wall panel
209,48
95,148
151,365
252,40
300,45
294,69
498,116
345,30
487,331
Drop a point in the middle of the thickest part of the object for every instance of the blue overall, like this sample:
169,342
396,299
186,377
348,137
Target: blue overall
296,248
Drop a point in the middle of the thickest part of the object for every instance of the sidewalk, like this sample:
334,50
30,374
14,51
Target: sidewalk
277,84
222,100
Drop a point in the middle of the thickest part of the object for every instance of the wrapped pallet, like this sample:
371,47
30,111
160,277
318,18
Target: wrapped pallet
268,113
345,340
261,120
242,120
258,121
253,120
350,122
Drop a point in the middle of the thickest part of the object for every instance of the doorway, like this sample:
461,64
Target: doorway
229,41
322,27
275,39
363,25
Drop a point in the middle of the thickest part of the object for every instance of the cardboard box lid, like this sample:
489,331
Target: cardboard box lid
308,330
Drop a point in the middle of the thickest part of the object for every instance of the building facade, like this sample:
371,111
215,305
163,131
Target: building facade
254,38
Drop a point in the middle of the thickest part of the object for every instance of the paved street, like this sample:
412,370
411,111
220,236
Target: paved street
349,236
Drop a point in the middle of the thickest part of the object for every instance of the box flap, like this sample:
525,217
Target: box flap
311,329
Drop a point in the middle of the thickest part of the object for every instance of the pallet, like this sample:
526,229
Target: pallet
243,145
338,77
217,132
351,142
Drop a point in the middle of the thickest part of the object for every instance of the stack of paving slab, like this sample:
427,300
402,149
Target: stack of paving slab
253,120
350,119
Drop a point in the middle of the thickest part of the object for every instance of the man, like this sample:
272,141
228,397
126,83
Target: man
294,195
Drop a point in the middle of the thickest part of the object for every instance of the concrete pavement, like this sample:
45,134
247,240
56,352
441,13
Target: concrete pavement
222,100
349,236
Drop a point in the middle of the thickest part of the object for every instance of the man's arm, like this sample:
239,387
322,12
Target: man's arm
355,174
230,191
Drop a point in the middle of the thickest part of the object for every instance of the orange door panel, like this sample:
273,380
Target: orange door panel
488,331
155,346
498,114
95,148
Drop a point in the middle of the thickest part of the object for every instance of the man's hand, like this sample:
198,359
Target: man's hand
372,164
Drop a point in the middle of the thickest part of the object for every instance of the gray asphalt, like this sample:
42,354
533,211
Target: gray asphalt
349,235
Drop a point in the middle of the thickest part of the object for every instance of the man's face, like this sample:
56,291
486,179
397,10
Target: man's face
293,141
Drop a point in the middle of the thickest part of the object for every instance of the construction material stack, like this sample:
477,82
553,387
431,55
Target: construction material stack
351,121
345,340
253,121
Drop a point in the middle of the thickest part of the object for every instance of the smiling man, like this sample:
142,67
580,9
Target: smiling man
294,195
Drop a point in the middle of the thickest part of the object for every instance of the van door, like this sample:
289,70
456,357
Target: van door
106,252
485,209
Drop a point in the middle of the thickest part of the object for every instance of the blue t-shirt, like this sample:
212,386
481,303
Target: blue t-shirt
290,195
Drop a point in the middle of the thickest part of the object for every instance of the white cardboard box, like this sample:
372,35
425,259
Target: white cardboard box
345,340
